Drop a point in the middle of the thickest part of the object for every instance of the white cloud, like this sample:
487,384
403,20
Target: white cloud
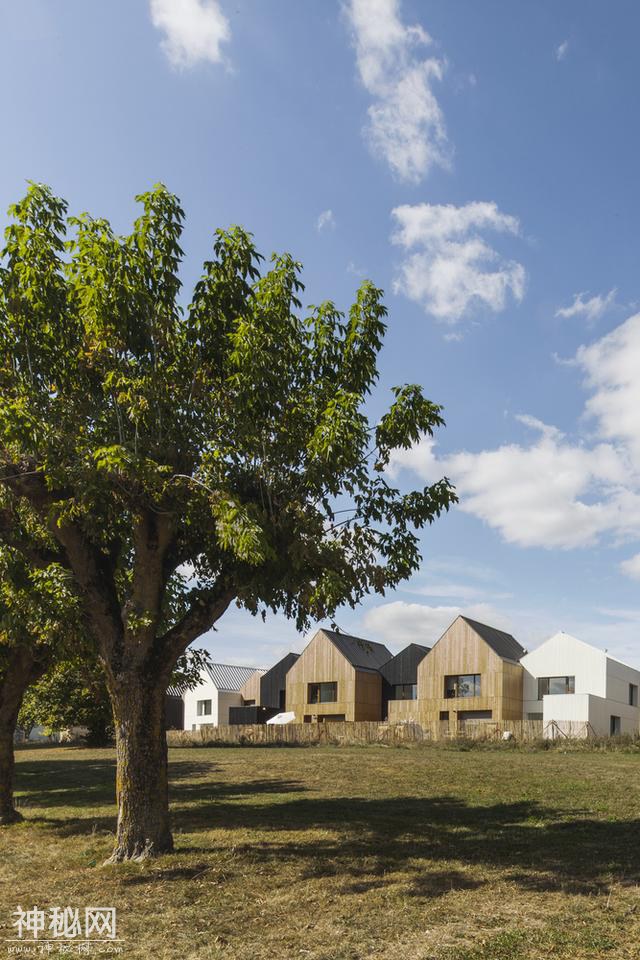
420,458
631,567
326,221
611,365
399,623
449,268
194,30
555,491
406,125
591,309
561,50
539,494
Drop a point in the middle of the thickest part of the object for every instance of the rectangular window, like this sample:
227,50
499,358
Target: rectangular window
464,685
322,692
203,708
614,726
405,691
534,716
555,685
633,695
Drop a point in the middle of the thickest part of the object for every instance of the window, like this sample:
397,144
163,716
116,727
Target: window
614,727
633,695
465,685
203,708
405,691
534,716
322,692
555,685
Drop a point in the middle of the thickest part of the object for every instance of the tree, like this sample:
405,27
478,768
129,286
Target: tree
73,693
228,439
37,617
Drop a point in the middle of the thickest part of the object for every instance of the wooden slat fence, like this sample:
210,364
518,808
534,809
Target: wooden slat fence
358,732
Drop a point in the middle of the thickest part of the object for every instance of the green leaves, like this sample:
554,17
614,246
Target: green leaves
409,418
234,432
239,531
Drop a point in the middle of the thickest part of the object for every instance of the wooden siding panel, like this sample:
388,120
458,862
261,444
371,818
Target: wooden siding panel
250,690
322,662
462,651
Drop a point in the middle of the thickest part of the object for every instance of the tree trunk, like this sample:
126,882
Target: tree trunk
25,666
8,812
142,784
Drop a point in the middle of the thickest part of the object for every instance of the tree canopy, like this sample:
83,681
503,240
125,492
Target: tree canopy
227,438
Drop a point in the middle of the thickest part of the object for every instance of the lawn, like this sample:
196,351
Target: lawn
343,853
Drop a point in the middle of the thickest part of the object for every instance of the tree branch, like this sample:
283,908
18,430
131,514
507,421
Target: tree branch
10,534
204,612
93,573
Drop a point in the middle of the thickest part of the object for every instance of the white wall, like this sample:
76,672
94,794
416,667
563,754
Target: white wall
206,690
619,676
564,656
221,700
601,686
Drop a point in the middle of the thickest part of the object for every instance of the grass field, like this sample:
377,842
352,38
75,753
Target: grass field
334,853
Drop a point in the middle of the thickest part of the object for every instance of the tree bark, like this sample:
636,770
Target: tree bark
142,784
8,812
25,666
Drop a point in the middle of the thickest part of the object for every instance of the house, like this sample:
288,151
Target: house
209,702
471,673
264,693
267,688
337,677
400,682
577,689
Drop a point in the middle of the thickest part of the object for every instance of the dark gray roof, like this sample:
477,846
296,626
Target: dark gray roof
500,642
363,654
403,668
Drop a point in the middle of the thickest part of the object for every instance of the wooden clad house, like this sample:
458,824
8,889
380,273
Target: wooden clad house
268,688
400,682
471,673
337,678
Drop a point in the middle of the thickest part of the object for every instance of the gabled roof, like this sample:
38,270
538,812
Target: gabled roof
363,654
229,678
284,664
403,668
500,642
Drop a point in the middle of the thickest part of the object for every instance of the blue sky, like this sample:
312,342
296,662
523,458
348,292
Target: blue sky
479,162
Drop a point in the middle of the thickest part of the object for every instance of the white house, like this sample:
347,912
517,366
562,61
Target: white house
209,702
575,688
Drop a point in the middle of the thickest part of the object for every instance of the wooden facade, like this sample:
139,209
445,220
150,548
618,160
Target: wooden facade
250,689
462,651
266,688
358,688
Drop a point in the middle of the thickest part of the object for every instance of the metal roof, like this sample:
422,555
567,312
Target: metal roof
363,654
225,676
500,642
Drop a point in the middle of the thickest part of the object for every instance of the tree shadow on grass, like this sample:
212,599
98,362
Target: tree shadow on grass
423,841
432,845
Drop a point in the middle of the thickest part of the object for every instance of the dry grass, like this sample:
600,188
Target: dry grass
346,853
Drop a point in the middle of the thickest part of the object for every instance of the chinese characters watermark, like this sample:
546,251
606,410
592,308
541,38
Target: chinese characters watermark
40,930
